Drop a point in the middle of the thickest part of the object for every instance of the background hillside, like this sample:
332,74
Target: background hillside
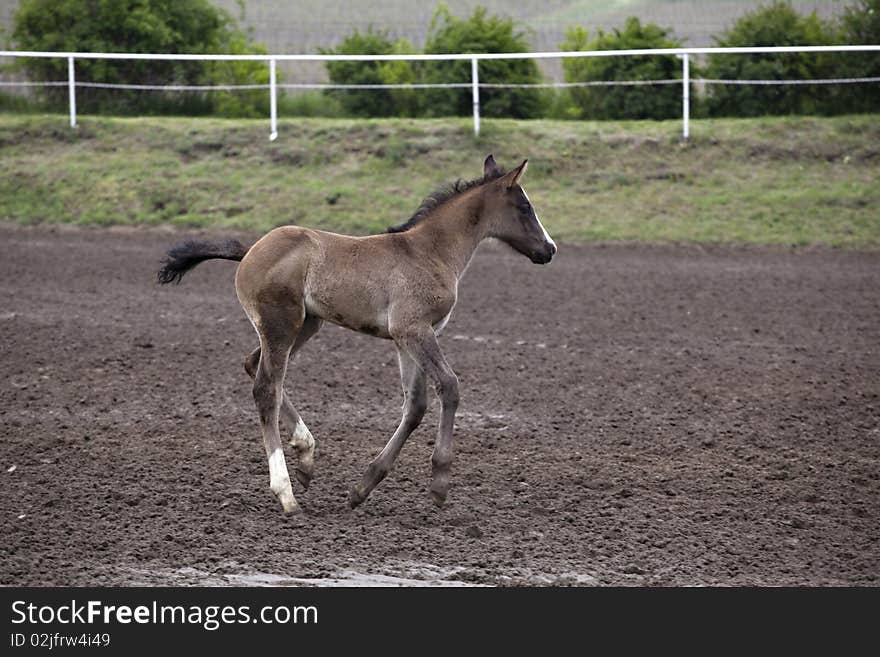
775,180
303,26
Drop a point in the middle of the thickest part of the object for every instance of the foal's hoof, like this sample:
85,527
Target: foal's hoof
288,502
440,488
304,478
438,495
355,498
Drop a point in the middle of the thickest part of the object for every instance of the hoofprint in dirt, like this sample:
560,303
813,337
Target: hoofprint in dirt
631,415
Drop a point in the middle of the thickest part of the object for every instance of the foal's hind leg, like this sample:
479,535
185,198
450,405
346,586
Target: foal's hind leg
301,439
278,327
414,404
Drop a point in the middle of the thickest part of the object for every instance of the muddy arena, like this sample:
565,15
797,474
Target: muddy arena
630,415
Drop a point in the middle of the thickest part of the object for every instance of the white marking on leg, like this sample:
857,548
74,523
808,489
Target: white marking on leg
302,438
278,476
279,480
304,443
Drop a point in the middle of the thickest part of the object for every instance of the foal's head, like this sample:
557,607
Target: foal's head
510,215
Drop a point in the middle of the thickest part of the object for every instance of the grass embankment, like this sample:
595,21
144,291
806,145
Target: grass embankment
769,181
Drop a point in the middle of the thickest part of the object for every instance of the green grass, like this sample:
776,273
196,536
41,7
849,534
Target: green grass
784,181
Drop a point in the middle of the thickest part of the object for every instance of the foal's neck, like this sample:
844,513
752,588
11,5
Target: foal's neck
453,231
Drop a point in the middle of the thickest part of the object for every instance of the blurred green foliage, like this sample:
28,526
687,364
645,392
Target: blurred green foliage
624,102
859,25
198,27
481,33
373,102
776,24
149,26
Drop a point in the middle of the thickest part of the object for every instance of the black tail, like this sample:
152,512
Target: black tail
184,257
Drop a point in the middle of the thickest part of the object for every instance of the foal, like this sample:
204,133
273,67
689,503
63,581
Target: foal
401,286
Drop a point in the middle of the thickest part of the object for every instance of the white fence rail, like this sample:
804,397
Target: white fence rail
683,53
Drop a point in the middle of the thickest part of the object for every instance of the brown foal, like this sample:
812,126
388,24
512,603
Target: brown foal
401,285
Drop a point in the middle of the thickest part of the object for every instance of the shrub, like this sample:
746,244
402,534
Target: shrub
243,103
310,103
373,102
633,102
777,24
860,24
481,33
561,105
157,26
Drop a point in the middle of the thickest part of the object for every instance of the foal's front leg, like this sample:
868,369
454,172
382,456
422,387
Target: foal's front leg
415,401
422,346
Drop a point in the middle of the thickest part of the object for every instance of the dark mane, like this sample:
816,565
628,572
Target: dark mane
440,196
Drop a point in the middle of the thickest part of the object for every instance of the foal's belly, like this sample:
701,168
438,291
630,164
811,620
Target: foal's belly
376,329
355,315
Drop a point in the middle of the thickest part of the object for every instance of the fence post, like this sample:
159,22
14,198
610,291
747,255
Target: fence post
273,101
685,95
71,91
475,83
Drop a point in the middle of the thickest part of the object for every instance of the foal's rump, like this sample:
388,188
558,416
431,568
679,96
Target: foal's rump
284,248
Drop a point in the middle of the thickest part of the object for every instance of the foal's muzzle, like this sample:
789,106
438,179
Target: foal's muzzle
545,254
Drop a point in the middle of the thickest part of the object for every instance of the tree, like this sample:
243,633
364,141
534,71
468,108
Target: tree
776,24
373,102
154,26
481,33
624,102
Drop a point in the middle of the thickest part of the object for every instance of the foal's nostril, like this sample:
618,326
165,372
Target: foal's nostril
544,254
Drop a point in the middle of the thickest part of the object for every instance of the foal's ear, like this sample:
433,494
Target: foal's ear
517,174
490,168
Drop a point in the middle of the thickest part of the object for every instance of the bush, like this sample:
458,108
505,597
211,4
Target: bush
481,33
310,103
246,103
860,24
157,26
373,102
561,105
646,102
777,24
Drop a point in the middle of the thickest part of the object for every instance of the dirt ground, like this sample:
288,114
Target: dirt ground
630,415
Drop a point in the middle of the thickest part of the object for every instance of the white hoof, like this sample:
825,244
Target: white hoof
288,501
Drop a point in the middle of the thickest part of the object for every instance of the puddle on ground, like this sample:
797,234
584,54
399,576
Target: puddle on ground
405,575
235,574
345,578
